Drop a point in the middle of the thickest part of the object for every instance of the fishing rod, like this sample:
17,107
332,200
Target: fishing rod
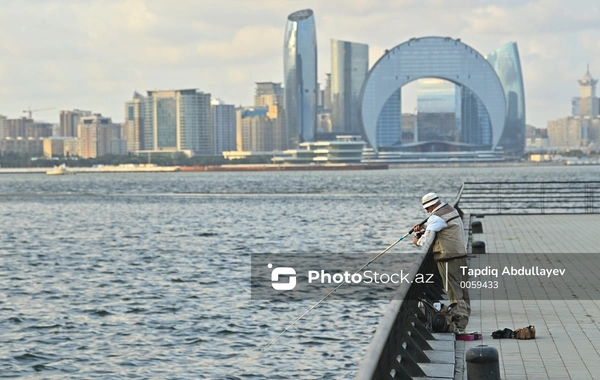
328,294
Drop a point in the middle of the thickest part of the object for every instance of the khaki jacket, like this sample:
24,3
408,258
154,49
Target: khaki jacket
450,241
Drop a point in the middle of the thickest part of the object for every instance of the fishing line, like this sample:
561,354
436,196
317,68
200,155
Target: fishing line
323,299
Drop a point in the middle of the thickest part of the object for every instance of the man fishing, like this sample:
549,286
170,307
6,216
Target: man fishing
449,252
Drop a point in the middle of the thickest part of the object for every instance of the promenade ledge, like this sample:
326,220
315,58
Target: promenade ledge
547,231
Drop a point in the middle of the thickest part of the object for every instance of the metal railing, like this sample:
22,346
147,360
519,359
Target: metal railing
530,197
401,339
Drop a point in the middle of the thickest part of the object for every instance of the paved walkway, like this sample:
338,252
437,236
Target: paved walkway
565,309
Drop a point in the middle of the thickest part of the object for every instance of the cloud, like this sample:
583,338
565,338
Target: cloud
248,43
94,53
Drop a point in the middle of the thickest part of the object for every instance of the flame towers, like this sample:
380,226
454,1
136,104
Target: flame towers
507,64
300,76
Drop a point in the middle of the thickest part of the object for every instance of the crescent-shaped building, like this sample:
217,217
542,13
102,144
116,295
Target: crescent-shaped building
430,57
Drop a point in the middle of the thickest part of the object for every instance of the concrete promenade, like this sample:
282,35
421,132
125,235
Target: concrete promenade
564,308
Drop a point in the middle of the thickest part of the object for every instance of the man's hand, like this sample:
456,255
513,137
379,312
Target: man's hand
417,228
415,240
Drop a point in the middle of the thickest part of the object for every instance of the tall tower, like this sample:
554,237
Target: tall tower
349,67
300,76
507,64
587,103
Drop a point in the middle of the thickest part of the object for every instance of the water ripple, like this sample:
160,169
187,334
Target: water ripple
147,275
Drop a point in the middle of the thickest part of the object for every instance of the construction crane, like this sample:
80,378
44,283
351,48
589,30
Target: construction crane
30,112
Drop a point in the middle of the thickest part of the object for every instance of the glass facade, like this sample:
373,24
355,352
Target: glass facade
349,67
389,122
178,120
300,76
507,64
475,121
431,57
438,110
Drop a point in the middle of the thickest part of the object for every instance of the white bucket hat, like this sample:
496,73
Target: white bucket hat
429,199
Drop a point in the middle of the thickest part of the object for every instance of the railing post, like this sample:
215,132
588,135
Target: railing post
542,207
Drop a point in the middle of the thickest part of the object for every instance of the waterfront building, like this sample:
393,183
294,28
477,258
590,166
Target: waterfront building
582,130
99,137
254,129
349,67
69,120
300,76
343,150
29,146
271,95
507,64
224,119
569,132
61,146
380,106
133,126
178,121
587,104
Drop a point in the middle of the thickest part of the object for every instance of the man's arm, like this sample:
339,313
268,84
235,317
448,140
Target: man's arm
434,224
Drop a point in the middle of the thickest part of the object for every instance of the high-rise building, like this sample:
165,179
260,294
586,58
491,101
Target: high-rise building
438,110
25,128
133,126
254,130
2,127
349,67
224,119
327,92
272,95
507,64
389,122
15,128
476,127
587,104
69,121
569,132
178,120
300,75
99,136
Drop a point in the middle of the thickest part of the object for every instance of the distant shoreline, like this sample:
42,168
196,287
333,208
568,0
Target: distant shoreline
271,167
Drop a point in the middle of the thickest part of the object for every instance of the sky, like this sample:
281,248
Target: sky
93,54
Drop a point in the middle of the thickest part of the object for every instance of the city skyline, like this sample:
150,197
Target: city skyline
57,57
